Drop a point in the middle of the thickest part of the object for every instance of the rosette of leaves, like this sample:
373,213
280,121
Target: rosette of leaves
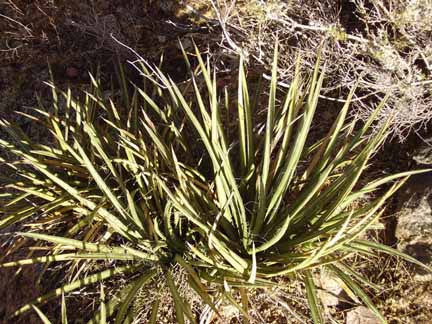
191,176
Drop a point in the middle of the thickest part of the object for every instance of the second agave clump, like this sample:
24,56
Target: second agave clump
197,181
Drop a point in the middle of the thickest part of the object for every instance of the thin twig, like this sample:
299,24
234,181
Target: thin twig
28,30
293,24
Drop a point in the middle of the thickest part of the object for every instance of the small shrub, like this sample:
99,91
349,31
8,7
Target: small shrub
382,46
197,182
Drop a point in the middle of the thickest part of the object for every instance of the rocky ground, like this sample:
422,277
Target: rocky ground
72,38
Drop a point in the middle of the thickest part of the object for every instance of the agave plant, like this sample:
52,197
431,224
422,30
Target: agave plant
187,176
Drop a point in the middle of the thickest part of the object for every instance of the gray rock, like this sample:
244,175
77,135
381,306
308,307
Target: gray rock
414,227
330,289
423,154
361,315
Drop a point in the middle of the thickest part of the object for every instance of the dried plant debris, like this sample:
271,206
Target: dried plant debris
385,46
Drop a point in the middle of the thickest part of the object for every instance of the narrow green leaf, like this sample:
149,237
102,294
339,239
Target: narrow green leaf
245,120
103,306
253,272
91,247
41,315
269,123
390,251
88,280
358,291
112,305
100,182
197,285
63,311
122,312
233,302
178,303
154,311
311,292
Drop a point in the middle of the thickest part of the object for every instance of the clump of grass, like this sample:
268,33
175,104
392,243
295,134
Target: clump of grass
167,185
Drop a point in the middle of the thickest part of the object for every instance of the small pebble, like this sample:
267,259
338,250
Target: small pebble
72,72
